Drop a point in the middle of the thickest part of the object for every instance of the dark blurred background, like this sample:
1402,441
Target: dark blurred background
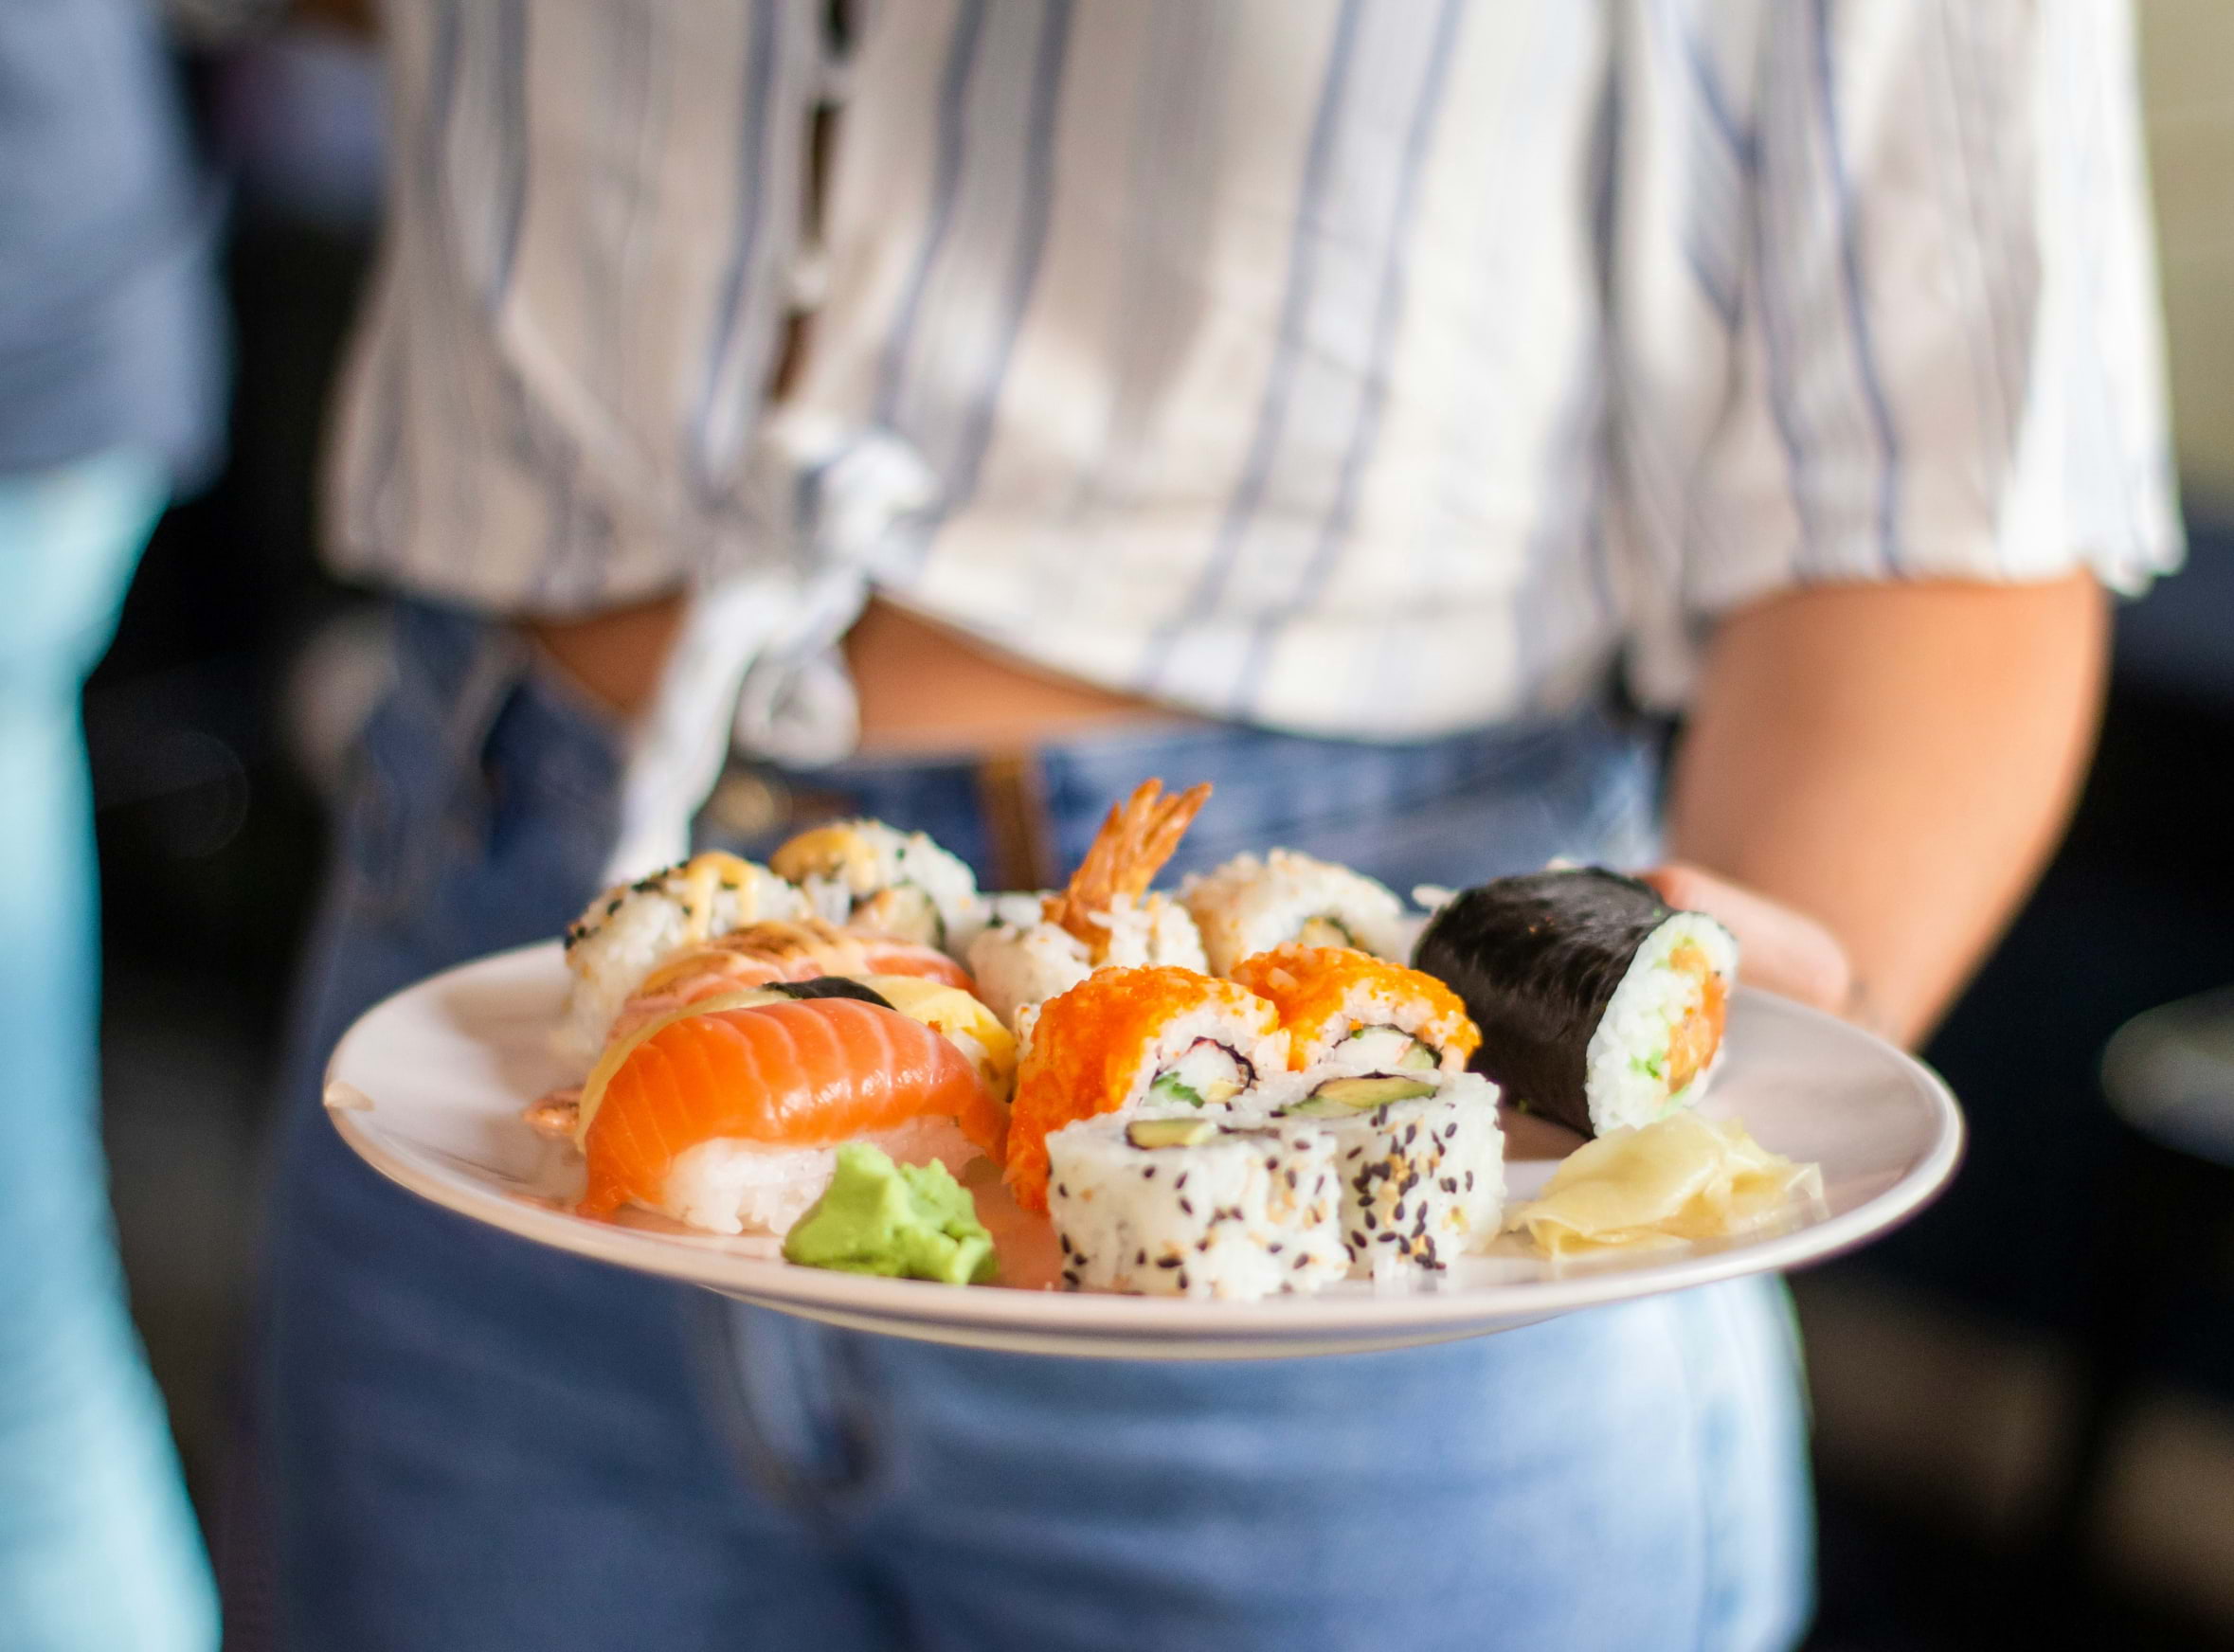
1951,1365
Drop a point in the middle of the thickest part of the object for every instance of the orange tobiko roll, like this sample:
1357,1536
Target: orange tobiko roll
1124,1040
1339,1005
801,1073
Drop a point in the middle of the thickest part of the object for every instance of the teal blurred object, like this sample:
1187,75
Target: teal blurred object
98,1544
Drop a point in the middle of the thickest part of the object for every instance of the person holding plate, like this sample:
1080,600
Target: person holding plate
1385,412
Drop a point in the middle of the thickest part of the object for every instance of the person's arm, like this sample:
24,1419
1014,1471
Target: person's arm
1894,761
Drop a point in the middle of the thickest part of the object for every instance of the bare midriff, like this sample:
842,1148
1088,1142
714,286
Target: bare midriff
925,688
921,687
1692,1044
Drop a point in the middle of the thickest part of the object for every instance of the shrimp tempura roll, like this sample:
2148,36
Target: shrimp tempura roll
1105,915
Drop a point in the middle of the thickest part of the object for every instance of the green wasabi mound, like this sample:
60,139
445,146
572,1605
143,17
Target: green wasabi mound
901,1221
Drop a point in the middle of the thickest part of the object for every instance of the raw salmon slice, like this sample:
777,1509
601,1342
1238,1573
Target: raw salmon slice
806,1073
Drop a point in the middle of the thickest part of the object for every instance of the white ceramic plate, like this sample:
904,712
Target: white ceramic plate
428,1088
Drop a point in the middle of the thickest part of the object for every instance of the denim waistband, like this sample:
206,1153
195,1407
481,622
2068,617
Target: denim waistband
1461,807
1576,771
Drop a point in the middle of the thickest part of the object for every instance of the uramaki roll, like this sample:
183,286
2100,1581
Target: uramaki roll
1125,1041
1345,1008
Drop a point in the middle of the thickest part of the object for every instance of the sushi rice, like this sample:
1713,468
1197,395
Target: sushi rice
1422,1177
1626,1062
1250,905
730,1185
1237,1212
629,929
879,879
1019,965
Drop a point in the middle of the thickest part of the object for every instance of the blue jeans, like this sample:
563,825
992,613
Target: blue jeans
98,1545
481,1444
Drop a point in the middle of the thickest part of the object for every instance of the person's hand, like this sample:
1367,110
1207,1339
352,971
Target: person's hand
1778,948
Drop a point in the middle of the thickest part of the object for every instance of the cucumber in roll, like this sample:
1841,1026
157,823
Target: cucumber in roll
1599,1006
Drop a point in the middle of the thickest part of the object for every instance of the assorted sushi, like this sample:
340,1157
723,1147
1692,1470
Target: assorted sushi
1239,1090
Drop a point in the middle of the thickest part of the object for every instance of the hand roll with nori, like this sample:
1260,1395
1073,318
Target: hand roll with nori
1599,1006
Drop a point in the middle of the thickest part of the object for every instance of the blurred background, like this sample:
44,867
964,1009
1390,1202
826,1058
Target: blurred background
2024,1403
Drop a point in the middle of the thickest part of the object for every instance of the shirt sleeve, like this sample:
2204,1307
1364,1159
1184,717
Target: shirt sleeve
1883,304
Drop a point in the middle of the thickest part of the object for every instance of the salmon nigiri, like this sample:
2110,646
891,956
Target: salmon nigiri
730,1117
778,951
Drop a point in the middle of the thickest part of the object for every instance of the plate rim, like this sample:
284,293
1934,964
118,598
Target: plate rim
1090,1316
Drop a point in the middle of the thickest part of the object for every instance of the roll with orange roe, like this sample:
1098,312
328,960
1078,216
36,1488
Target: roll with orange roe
1152,1041
1344,1008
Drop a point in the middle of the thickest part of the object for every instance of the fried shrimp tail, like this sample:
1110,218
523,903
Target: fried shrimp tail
1138,836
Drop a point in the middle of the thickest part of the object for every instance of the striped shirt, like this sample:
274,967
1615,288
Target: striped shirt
1354,367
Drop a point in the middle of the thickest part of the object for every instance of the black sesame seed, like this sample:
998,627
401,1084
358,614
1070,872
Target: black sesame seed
1470,1182
1301,1261
1167,1261
1273,1248
1062,1192
1140,1259
1271,1164
1148,1174
1064,1239
1370,1223
1388,1239
1448,1184
1187,1206
1181,1182
1292,1179
1182,1279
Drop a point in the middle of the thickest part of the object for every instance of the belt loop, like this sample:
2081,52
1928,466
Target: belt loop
1012,797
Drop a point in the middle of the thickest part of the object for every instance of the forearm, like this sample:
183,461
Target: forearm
1894,762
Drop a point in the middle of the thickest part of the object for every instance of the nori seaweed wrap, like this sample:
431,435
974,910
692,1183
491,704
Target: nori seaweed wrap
1599,1005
